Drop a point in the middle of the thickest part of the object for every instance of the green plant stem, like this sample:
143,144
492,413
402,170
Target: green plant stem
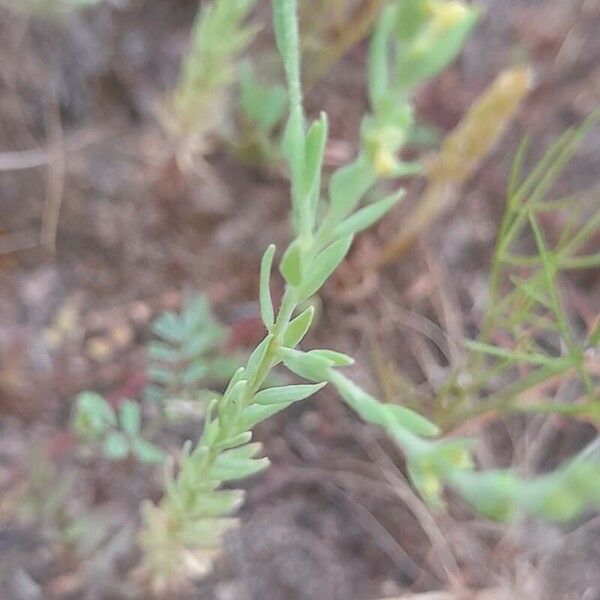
286,31
288,306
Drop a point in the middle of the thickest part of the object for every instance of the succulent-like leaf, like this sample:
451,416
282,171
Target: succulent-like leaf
266,303
291,266
366,216
286,394
348,185
316,140
298,327
130,416
313,368
325,263
257,357
337,358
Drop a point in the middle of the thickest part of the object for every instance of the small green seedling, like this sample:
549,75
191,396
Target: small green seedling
187,355
199,105
460,154
413,41
117,433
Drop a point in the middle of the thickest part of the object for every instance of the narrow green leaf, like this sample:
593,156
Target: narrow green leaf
206,533
169,328
218,503
313,368
365,217
348,185
163,352
211,431
255,413
563,494
241,453
314,149
337,358
534,359
237,376
229,470
297,328
196,372
397,415
130,416
266,303
325,263
257,357
291,264
146,452
116,446
232,404
234,441
230,409
287,394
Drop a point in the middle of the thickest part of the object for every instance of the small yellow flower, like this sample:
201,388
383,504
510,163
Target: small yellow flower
460,458
430,487
446,15
384,162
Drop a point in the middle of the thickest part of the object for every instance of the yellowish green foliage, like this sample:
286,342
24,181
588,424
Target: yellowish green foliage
542,351
187,354
199,104
480,129
117,433
330,28
461,152
414,40
525,301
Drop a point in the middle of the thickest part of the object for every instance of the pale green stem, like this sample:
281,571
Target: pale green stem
286,29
